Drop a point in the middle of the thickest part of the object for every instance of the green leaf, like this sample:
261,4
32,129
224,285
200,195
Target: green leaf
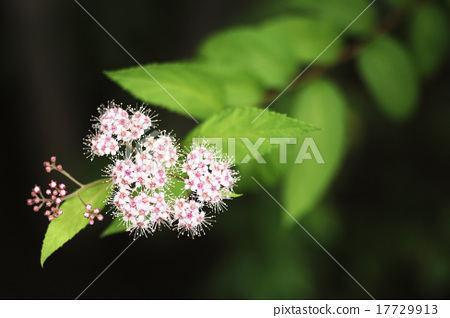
322,104
115,227
389,73
72,221
235,125
306,37
253,51
241,88
183,88
429,37
268,174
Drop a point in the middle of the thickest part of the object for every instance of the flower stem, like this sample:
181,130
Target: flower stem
84,187
130,146
175,176
71,178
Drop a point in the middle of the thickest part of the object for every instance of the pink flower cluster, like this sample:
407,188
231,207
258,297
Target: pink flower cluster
142,213
51,165
189,216
55,196
163,149
92,214
208,175
141,181
149,191
155,184
115,127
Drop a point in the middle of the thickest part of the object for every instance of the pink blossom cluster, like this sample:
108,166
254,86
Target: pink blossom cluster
51,165
208,175
141,182
56,195
155,184
115,127
189,216
159,185
52,199
92,214
163,149
142,213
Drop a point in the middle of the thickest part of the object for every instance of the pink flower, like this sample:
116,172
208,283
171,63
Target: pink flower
209,174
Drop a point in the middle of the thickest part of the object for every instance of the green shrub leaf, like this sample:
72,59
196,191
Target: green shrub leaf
236,124
260,54
241,88
388,71
72,221
192,91
429,38
322,104
307,38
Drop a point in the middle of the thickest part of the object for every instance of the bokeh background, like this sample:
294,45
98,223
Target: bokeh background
385,218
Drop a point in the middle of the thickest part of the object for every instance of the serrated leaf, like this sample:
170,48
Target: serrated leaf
183,88
72,221
236,124
253,51
389,73
307,37
322,104
429,37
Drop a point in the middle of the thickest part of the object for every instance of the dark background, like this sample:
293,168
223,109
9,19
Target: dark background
391,205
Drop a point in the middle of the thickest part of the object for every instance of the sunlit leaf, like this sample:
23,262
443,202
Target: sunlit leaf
63,228
241,88
179,87
260,54
240,128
